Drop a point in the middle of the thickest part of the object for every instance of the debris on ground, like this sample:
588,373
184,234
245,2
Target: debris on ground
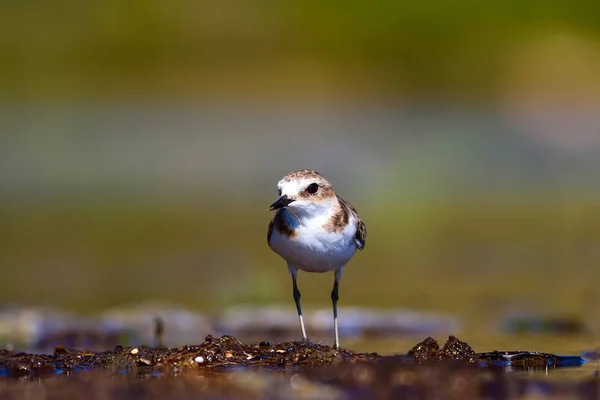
227,353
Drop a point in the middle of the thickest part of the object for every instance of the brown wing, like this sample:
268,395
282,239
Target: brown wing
361,234
360,238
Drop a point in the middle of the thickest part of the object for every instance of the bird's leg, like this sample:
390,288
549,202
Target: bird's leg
297,296
334,300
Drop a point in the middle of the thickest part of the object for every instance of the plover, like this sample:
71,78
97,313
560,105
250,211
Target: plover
314,230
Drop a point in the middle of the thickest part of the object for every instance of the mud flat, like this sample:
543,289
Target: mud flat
226,368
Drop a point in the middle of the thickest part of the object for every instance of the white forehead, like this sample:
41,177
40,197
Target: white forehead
293,186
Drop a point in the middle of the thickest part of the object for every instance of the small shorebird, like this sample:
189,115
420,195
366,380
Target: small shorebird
314,230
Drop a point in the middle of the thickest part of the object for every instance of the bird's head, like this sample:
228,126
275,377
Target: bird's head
304,192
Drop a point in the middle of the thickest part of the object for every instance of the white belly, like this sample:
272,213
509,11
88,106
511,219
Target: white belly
315,251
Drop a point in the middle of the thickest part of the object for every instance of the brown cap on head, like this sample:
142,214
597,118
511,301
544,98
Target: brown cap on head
315,187
303,174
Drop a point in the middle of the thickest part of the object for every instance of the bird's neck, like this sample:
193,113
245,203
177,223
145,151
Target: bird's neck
316,216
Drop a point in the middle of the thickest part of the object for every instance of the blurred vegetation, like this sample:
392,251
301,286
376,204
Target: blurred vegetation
474,260
188,48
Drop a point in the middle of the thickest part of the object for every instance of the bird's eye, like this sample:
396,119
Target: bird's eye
279,190
312,188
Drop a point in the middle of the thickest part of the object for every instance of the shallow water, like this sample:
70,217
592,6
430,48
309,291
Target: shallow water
563,345
227,368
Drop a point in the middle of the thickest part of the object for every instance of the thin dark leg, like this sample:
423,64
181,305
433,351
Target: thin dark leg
297,296
334,299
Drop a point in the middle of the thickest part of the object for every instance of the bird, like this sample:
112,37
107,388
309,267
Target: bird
314,230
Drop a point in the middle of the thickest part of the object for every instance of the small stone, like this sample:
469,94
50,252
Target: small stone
425,350
17,369
455,349
135,351
199,359
280,351
228,355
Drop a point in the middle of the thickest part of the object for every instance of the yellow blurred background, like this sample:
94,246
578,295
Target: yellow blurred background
141,142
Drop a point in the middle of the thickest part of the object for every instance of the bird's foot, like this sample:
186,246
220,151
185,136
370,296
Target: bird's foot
303,341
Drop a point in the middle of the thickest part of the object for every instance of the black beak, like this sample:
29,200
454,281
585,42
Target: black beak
281,202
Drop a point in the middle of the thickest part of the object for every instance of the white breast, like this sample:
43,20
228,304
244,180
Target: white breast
313,249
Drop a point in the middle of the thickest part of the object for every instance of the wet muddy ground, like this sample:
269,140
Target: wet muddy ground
227,368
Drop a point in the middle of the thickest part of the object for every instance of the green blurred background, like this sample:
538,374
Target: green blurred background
141,142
